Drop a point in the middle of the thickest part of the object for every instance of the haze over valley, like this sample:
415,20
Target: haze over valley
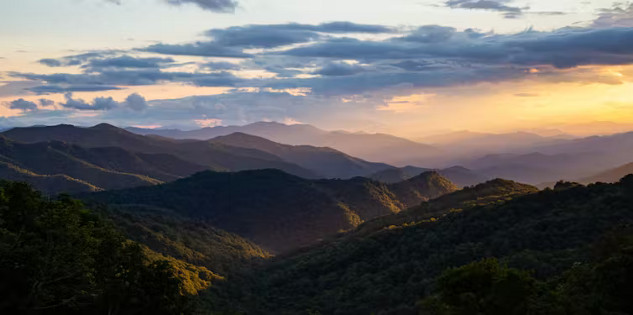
256,157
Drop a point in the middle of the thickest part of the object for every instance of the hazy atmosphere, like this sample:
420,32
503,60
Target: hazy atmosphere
288,157
409,68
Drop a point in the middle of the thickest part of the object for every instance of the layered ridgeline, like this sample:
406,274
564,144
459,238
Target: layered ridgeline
610,175
388,270
279,211
54,166
106,157
461,176
324,161
368,146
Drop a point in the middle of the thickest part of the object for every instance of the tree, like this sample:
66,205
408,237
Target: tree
482,287
58,257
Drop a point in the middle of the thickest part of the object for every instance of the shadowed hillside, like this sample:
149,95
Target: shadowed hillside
389,270
213,156
460,176
280,211
326,162
89,167
494,191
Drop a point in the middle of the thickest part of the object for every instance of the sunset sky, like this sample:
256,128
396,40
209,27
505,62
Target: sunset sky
406,67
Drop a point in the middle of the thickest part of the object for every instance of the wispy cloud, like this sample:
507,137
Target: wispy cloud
621,15
220,6
491,5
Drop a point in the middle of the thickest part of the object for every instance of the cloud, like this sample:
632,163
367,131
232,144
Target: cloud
52,89
221,66
339,69
492,5
127,61
274,35
75,60
110,79
204,49
134,102
526,94
107,59
621,15
23,105
367,82
563,48
429,56
222,6
51,62
230,42
208,122
99,103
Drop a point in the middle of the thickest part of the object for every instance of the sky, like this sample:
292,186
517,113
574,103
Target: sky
406,67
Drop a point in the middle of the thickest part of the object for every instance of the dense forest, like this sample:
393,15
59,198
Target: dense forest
552,247
276,210
56,257
495,248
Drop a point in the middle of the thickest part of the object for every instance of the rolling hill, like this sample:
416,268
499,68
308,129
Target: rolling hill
74,168
214,156
233,152
48,184
460,176
494,191
389,270
279,211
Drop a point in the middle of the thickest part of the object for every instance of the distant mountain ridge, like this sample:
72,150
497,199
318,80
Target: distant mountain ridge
460,176
279,211
372,147
609,176
234,152
324,161
76,169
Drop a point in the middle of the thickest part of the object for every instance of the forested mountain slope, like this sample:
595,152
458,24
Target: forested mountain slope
279,211
460,176
56,257
204,154
389,270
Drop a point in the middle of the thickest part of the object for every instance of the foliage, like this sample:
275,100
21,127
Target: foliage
482,287
58,258
387,271
193,241
494,191
599,286
276,210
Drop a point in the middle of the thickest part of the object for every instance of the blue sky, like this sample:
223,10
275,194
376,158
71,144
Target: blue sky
405,67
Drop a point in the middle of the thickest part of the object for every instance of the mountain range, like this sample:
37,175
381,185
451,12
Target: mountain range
67,158
276,210
250,225
567,239
460,176
372,147
522,156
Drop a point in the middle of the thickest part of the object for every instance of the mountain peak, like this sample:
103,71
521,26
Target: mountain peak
106,126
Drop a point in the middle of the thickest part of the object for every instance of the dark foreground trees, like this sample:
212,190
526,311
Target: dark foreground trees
602,286
58,258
